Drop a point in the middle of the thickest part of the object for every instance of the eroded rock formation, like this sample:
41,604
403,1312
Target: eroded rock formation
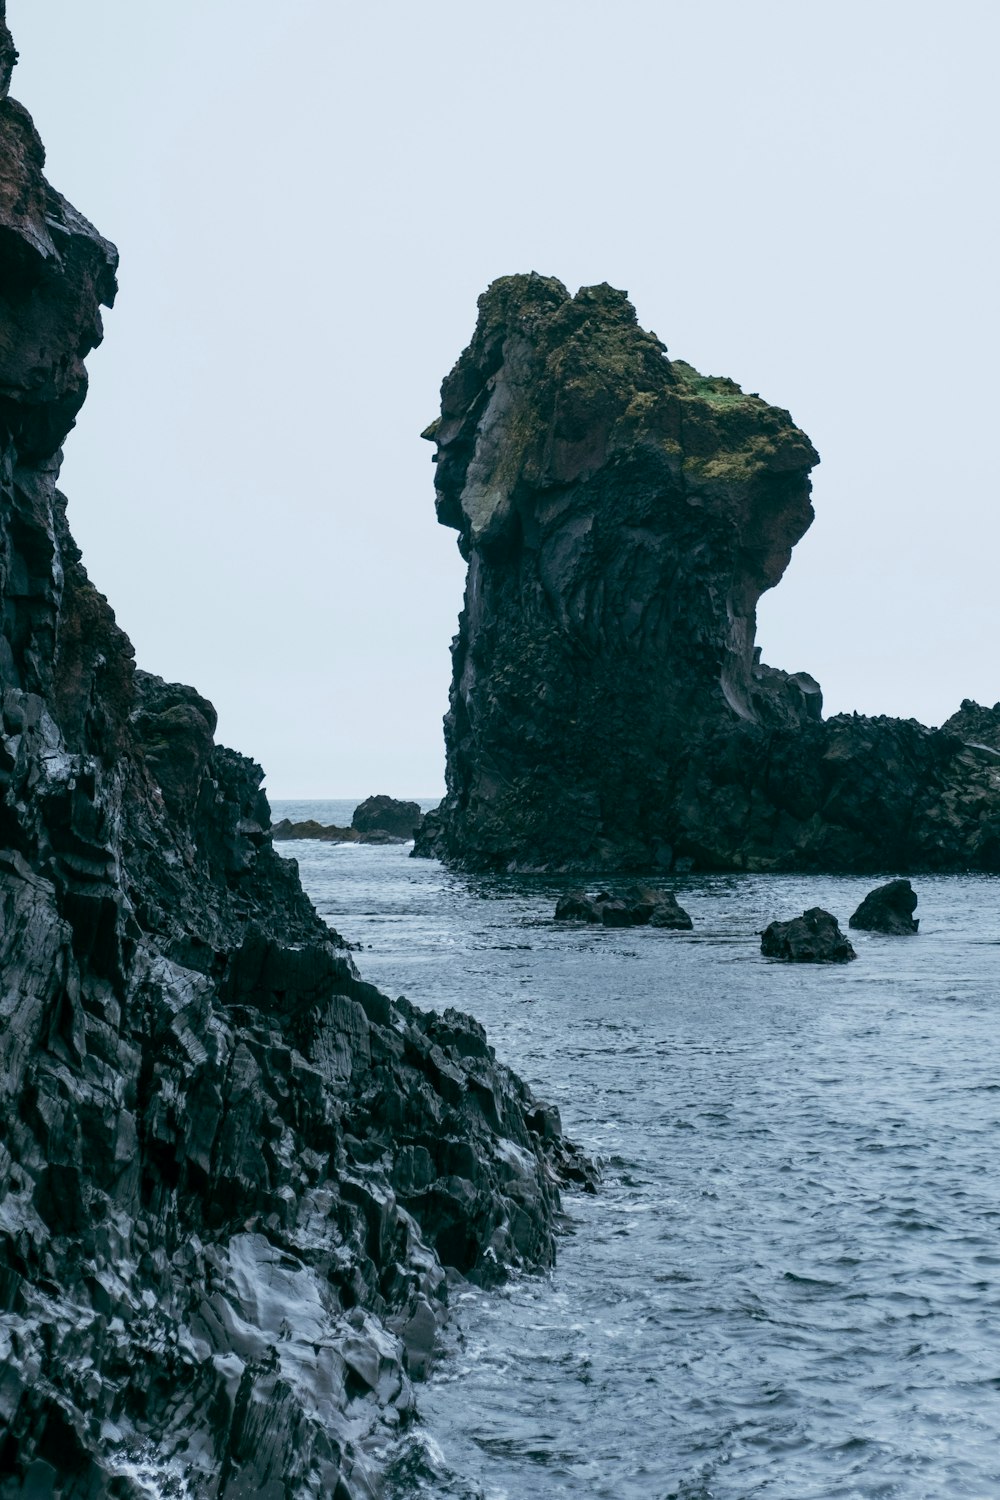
231,1172
621,515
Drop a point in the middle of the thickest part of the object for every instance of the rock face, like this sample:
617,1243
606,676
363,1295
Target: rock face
231,1173
888,909
813,938
387,815
621,515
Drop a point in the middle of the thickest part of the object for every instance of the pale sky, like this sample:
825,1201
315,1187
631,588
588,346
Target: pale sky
308,198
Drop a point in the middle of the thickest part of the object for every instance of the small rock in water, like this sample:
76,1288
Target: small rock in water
576,907
813,938
310,829
641,905
888,908
664,908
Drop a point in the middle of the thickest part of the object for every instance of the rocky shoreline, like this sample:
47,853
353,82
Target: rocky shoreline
235,1179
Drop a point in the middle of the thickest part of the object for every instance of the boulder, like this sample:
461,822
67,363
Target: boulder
888,908
639,905
577,907
813,938
383,814
667,913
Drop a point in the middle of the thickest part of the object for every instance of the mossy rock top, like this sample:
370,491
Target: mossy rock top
553,386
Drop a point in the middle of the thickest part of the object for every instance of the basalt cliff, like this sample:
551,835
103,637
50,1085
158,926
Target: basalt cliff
621,515
235,1179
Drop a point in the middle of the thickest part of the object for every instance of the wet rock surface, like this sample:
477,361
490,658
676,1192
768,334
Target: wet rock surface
620,516
813,938
232,1174
889,908
383,814
637,907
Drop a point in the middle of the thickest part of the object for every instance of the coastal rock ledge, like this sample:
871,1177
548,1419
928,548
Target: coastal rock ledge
621,515
235,1179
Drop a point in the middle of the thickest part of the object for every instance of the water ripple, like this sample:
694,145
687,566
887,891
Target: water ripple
789,1287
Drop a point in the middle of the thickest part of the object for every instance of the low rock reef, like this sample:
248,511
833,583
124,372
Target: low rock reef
639,907
620,515
378,820
233,1175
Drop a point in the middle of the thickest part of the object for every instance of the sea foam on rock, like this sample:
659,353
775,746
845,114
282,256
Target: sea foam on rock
620,515
233,1175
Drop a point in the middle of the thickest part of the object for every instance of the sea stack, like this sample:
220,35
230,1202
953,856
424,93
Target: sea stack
232,1174
621,515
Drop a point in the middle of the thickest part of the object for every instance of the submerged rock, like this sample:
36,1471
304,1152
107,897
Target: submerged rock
889,908
813,938
621,515
387,815
234,1177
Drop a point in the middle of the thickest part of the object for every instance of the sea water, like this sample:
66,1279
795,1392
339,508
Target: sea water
789,1284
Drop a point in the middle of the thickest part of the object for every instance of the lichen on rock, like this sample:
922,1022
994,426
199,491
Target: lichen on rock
621,515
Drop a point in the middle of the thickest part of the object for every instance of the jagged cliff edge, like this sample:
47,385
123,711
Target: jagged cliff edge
231,1172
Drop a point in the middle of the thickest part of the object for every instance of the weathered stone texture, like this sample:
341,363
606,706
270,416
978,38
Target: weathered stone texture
621,515
231,1173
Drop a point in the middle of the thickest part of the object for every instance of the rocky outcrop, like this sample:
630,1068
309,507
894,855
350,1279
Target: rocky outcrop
889,909
232,1174
639,906
813,938
387,815
328,833
621,515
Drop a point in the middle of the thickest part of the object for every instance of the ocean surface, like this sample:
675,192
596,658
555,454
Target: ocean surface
789,1285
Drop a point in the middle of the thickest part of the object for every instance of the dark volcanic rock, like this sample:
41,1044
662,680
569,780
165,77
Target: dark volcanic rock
813,938
577,907
639,905
667,913
232,1174
310,829
977,726
621,515
386,815
889,908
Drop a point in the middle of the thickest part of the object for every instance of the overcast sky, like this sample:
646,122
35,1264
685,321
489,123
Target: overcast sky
308,197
